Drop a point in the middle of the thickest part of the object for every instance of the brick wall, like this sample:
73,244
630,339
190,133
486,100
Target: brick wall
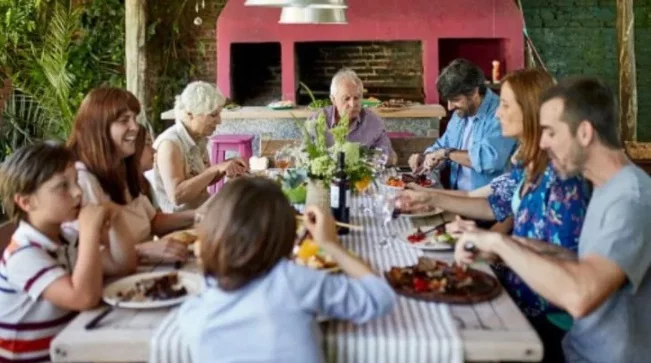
205,53
580,37
388,69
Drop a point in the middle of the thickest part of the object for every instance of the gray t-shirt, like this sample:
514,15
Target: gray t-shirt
618,227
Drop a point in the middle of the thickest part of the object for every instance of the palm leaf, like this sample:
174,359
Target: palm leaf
46,79
23,122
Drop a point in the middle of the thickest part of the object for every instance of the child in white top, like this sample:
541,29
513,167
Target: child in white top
258,305
47,273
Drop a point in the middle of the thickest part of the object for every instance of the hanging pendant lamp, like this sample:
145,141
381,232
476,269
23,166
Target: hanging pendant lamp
293,15
270,3
315,4
326,4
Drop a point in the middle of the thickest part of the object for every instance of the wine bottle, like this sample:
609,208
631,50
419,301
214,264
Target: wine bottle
340,194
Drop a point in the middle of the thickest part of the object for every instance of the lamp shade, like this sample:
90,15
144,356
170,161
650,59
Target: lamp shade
273,3
315,4
294,15
325,4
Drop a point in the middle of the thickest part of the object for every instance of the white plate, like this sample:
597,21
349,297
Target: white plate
428,244
193,284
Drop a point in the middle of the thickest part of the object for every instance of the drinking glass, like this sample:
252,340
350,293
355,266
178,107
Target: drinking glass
385,206
378,160
283,159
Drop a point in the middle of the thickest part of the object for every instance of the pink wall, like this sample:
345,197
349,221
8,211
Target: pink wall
368,20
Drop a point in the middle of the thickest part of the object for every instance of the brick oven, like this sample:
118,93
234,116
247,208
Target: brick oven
397,47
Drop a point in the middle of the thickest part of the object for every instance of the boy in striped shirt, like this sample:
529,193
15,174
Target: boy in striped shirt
47,274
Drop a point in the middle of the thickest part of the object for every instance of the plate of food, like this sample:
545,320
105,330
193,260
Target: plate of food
281,105
151,290
394,105
309,254
437,281
401,181
430,239
370,102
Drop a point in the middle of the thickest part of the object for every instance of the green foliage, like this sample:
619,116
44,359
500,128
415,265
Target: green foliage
54,53
315,104
97,54
171,40
321,160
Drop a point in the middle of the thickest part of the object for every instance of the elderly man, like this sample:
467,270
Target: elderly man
366,127
473,143
607,287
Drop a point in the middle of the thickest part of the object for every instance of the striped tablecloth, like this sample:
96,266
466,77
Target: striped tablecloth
414,332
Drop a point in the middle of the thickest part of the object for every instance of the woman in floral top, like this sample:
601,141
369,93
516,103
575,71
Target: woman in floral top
543,206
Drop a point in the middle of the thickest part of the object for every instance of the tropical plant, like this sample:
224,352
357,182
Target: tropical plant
39,105
55,52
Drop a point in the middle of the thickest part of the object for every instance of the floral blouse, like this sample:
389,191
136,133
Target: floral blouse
552,210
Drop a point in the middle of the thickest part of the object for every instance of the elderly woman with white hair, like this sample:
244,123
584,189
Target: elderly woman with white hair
365,127
181,168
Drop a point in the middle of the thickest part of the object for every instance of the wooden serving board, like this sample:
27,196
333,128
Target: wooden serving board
484,288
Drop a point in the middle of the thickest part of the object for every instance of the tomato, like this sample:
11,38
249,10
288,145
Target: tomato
416,237
420,284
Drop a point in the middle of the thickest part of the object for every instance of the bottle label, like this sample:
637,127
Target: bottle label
334,196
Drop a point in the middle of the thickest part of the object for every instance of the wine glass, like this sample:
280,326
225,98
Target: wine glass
385,205
283,159
378,160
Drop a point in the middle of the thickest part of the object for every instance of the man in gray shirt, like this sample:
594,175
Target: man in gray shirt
607,287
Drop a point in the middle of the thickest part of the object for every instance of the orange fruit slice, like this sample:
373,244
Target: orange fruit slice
307,249
361,185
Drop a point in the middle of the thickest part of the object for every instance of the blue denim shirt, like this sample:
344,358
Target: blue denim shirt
489,151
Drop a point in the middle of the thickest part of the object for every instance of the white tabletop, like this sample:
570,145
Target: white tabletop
490,331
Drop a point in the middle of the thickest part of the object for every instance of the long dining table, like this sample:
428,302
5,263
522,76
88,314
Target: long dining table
415,331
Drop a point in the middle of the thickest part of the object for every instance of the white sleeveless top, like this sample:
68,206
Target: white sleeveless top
138,213
195,156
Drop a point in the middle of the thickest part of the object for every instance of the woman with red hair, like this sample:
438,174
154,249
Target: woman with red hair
104,140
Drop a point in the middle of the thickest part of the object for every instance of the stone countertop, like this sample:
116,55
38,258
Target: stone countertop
262,112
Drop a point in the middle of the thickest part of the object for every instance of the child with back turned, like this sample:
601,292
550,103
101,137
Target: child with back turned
259,306
47,272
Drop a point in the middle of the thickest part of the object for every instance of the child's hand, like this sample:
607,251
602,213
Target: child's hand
95,217
321,225
163,250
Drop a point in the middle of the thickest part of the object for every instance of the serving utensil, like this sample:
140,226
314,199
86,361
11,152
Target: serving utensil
354,227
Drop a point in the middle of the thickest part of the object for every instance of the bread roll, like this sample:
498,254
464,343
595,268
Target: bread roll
186,237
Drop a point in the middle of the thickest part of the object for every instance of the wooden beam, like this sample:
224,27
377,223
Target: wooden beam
627,72
135,57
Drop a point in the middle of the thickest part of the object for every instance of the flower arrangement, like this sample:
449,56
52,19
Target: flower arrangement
320,161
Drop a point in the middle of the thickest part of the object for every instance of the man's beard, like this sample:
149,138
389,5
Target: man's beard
576,162
471,110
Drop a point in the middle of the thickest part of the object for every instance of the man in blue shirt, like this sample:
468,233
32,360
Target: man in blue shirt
473,143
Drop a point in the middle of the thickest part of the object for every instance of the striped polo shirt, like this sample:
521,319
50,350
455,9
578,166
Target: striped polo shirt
29,264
